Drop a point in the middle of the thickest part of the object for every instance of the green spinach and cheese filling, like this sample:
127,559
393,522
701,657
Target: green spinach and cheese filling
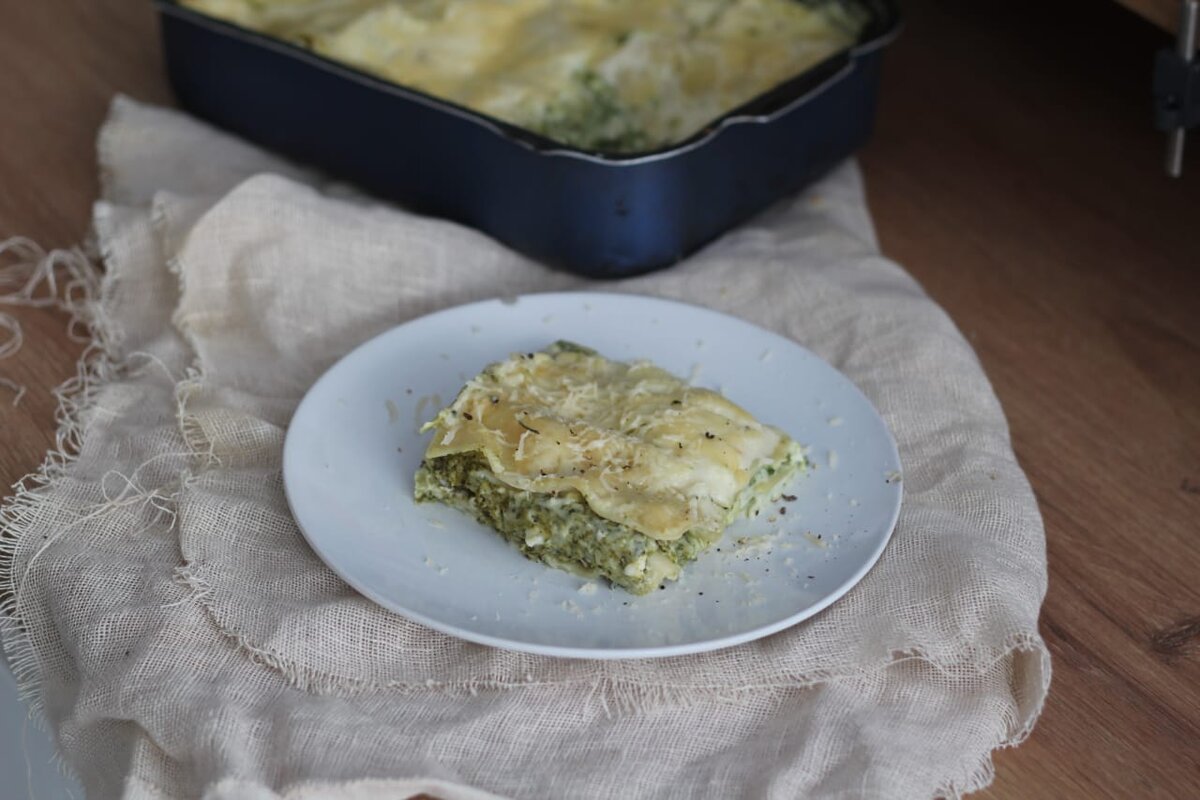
600,467
609,75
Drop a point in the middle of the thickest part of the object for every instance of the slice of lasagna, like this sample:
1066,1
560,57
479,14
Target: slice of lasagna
600,467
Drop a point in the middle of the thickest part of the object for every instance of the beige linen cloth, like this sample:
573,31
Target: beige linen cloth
183,641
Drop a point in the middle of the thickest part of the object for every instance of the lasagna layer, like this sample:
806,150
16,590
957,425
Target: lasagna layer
609,75
602,467
559,530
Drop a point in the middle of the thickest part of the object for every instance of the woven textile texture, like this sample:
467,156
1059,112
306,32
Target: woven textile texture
183,641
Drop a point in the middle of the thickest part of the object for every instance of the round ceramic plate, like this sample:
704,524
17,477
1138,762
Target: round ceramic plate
353,446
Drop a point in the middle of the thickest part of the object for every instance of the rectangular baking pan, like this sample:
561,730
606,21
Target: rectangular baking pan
599,215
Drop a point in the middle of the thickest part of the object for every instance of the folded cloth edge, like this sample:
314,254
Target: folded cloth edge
101,364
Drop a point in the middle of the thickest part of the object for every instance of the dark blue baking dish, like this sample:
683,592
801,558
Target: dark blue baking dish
599,215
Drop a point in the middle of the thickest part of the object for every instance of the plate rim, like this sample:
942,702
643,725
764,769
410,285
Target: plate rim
597,653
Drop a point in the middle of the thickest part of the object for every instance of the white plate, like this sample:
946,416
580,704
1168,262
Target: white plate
353,446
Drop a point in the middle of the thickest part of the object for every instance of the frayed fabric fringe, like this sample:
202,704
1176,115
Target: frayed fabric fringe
65,280
69,281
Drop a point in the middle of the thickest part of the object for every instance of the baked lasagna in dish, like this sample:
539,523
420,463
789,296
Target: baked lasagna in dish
620,76
600,467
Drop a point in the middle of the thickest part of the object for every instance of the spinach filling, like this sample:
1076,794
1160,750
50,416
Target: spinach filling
558,529
592,117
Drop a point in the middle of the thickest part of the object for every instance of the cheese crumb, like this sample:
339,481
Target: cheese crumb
588,588
751,545
419,410
572,607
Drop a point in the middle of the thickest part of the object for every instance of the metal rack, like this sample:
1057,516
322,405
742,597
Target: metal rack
1177,87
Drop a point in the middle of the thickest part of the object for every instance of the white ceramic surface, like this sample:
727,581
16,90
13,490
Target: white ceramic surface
353,446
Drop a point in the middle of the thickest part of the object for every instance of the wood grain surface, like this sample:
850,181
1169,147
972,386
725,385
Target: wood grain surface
1015,173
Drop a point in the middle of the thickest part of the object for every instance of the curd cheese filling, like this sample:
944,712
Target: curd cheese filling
603,467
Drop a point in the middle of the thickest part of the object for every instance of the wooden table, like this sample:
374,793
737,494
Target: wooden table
1014,172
